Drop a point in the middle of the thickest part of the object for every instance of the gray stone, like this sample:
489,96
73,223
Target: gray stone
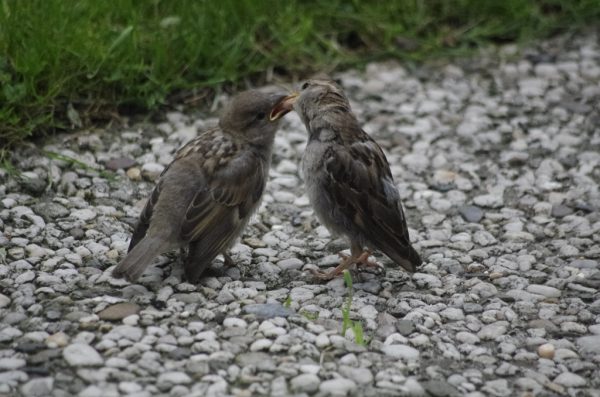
453,314
119,163
267,310
290,264
119,311
50,210
84,214
403,352
405,327
489,200
152,171
10,363
498,387
545,290
440,388
471,213
584,264
493,331
81,355
589,344
173,378
337,387
560,211
569,379
305,383
4,301
40,387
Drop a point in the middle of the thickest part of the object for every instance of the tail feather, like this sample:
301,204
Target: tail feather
408,258
138,259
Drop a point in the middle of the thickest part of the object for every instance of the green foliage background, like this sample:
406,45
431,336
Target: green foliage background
100,56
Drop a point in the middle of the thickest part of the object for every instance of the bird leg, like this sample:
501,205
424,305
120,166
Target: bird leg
228,260
358,257
345,262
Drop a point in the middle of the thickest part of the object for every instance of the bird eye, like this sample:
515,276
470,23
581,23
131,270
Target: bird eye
305,85
261,115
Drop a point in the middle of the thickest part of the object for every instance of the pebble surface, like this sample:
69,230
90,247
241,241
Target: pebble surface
497,160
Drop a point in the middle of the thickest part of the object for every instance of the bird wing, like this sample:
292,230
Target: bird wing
144,221
361,183
221,208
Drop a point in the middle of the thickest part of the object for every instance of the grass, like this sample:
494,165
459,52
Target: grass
347,323
64,64
74,163
288,302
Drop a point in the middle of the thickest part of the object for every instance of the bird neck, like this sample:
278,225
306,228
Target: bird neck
331,125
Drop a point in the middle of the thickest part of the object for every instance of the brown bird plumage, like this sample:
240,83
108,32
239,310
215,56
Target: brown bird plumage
348,179
206,196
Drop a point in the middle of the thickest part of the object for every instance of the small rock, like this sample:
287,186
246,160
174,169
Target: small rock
307,383
440,388
4,301
129,387
489,200
589,344
81,355
471,213
545,290
152,171
173,378
267,310
134,173
234,322
9,363
290,264
492,331
119,163
584,264
560,211
59,339
498,387
546,351
569,379
40,387
401,352
50,210
337,387
84,214
405,327
118,311
453,314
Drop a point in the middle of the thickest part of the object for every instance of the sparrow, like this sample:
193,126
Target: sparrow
206,195
348,179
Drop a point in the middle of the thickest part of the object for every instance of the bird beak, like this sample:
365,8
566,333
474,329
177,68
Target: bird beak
284,106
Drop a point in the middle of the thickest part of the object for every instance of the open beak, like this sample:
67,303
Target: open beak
284,106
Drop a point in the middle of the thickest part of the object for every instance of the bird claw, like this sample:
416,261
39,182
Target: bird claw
346,262
323,275
228,260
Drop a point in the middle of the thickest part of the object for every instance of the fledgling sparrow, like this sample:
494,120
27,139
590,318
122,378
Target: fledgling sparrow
205,197
348,179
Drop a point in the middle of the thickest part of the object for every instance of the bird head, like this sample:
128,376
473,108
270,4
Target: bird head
316,97
249,116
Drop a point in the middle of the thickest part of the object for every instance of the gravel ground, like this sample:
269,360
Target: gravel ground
497,159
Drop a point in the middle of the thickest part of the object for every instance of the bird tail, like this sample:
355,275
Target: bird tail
409,258
138,259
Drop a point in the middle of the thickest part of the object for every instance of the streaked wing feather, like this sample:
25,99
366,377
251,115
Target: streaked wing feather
144,221
358,174
226,200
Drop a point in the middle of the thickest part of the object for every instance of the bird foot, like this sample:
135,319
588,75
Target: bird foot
363,260
228,260
345,263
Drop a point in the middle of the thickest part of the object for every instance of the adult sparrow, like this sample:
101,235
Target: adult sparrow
348,179
205,197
